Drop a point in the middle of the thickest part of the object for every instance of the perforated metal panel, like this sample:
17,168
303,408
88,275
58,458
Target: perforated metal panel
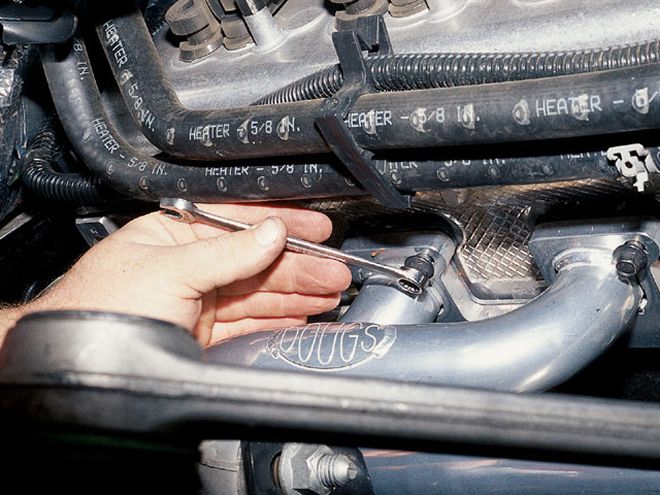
495,224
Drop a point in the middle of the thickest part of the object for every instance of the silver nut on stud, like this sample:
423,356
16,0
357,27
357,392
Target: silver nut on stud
313,469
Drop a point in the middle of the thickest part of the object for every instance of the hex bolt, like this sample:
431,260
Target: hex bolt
359,6
354,9
335,470
422,262
405,8
355,6
630,258
193,20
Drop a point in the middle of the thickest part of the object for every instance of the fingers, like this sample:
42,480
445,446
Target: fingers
204,265
310,225
155,229
294,272
204,326
273,304
226,330
158,229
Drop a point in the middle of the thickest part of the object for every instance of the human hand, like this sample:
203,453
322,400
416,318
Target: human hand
214,283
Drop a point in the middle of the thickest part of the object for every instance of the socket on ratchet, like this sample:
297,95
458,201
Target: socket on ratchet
409,280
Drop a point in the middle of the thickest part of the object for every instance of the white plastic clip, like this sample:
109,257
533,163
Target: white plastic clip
633,160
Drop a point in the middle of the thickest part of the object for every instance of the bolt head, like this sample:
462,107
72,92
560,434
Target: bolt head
630,259
421,263
627,267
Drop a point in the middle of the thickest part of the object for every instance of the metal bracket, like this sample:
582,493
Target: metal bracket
96,228
370,34
633,160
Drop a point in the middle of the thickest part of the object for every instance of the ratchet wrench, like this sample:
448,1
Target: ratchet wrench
409,280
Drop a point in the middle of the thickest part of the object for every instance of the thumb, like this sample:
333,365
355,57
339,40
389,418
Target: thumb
207,264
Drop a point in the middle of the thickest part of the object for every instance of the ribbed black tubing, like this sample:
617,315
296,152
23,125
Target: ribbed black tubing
40,178
445,70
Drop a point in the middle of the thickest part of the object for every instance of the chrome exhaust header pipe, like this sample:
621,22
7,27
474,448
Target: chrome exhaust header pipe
588,305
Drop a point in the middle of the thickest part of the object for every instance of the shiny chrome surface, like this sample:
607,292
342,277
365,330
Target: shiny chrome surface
386,305
533,348
380,303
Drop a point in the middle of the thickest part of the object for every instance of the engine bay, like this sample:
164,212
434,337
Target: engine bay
492,172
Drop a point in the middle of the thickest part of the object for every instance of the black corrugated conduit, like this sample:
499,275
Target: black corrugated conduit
400,72
40,178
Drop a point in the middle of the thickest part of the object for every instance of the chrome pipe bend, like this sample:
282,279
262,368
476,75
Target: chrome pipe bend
545,342
533,348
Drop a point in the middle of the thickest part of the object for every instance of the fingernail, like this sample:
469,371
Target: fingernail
267,232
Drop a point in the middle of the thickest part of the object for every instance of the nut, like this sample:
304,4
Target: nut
308,468
630,259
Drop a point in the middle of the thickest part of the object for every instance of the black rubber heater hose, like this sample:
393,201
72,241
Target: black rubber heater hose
593,103
108,155
78,103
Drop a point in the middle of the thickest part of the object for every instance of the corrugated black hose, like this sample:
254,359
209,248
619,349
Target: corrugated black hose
568,106
445,70
41,179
